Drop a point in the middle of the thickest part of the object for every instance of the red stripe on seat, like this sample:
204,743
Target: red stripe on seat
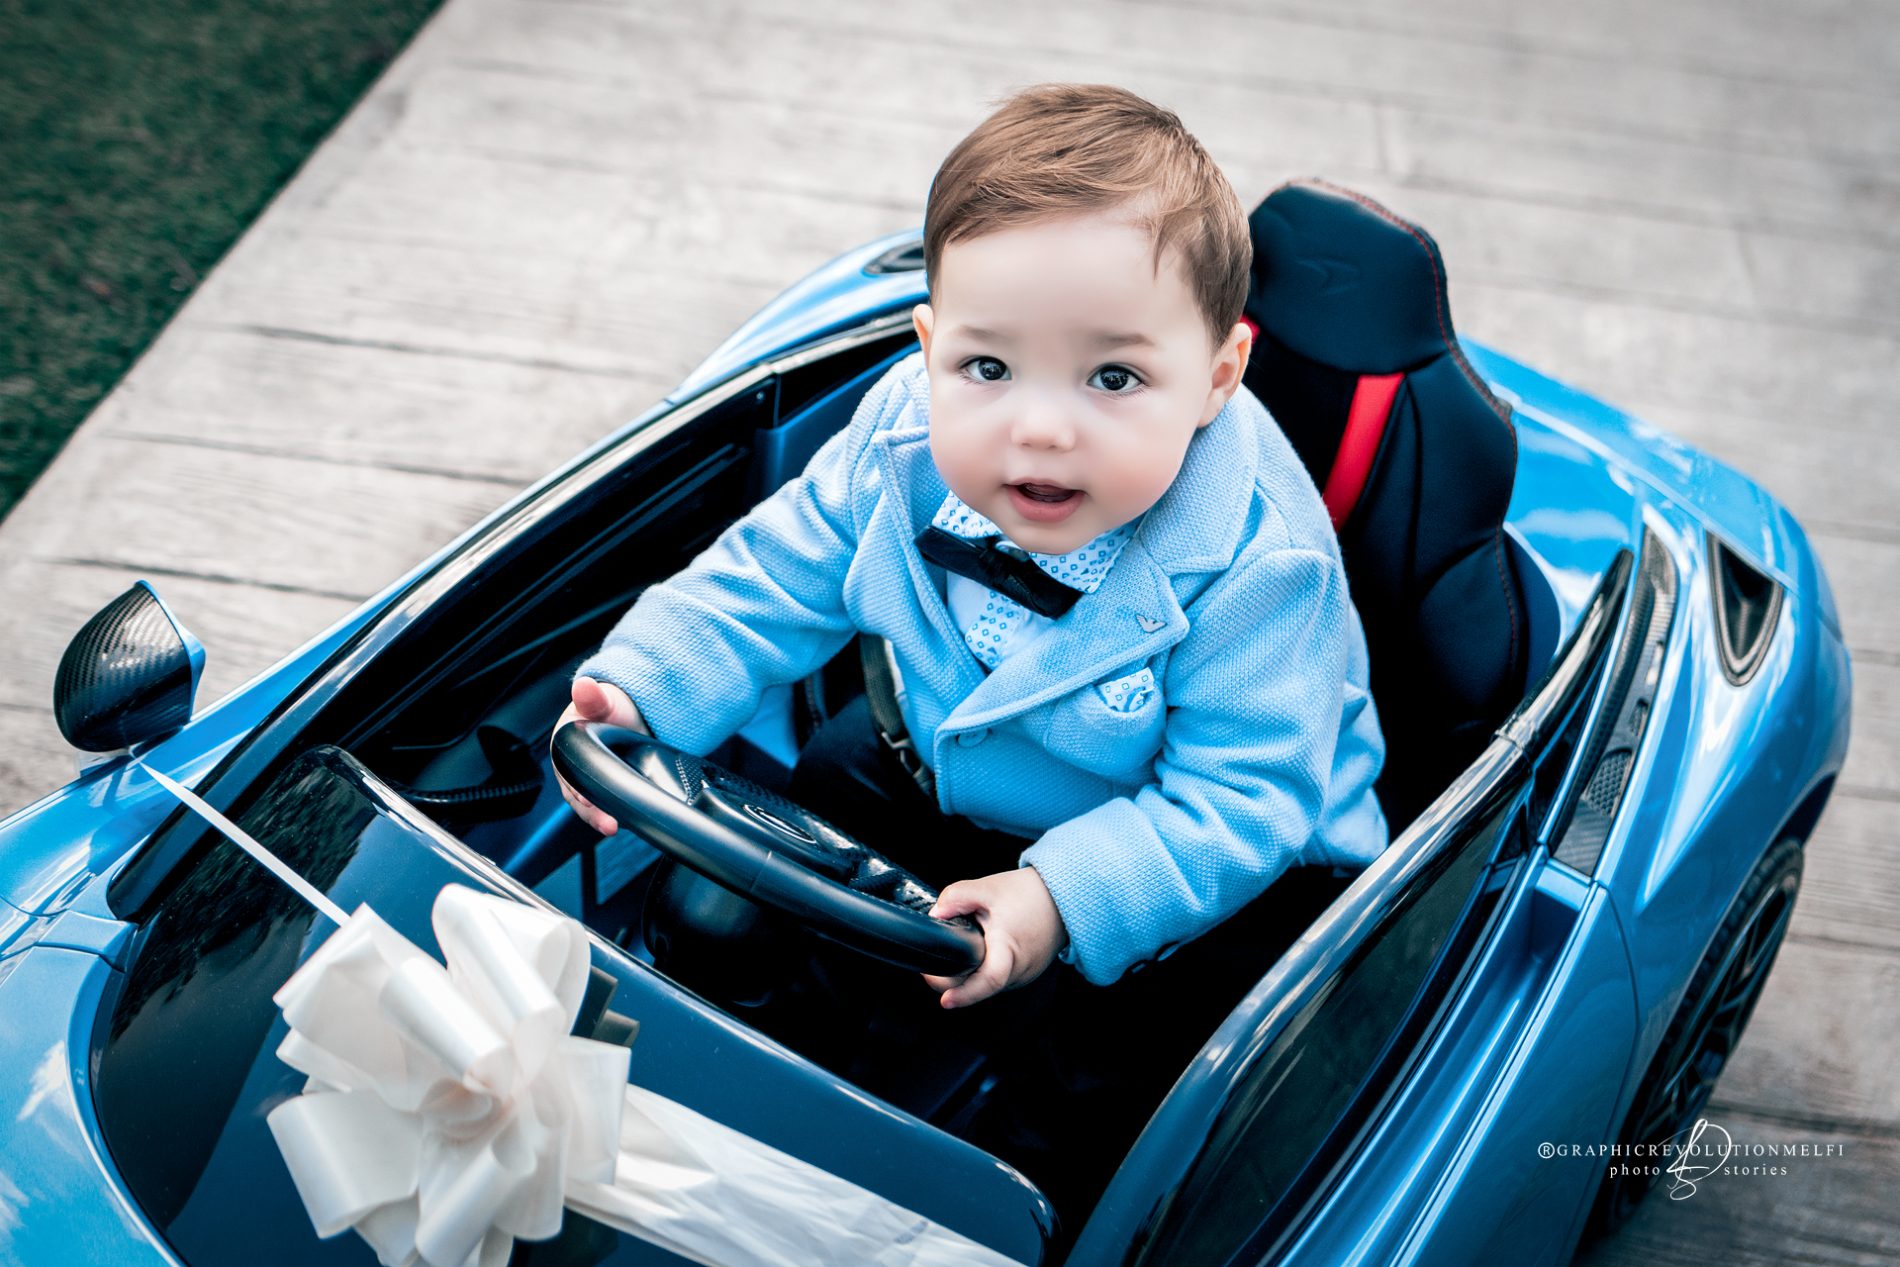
1365,426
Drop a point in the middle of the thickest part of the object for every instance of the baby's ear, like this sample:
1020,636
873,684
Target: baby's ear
922,319
1230,366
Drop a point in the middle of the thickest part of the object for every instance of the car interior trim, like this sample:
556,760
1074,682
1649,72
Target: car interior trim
1580,822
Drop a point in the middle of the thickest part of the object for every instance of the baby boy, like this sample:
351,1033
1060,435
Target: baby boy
1179,712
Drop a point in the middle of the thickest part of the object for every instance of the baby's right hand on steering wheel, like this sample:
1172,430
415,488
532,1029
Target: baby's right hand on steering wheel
604,702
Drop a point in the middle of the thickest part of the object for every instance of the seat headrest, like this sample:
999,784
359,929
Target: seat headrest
1342,281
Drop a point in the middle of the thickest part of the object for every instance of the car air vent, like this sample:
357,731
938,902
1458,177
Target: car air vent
908,258
1746,606
1603,766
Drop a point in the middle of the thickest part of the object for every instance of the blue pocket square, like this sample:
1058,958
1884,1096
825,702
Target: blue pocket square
1128,694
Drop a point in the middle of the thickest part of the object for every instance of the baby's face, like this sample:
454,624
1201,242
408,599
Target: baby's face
1067,376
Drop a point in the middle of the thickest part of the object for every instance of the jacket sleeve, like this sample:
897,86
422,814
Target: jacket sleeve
1254,697
762,605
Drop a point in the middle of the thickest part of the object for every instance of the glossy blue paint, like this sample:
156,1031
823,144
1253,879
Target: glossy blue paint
1721,769
1724,769
1572,508
1566,1002
1741,510
834,297
1536,1052
60,1199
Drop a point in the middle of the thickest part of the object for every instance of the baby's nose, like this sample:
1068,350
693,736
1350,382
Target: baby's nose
1044,424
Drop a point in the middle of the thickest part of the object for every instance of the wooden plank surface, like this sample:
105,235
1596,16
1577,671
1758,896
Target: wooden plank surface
1850,885
1862,570
1799,194
328,528
1828,1210
1802,1064
365,405
245,628
549,210
250,635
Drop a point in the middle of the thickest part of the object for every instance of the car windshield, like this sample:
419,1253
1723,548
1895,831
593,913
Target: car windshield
186,1046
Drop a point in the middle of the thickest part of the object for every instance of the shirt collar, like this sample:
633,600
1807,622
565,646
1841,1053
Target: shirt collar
1081,568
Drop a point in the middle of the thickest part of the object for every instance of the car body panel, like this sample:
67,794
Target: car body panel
1552,1006
60,1198
835,296
1724,768
1727,500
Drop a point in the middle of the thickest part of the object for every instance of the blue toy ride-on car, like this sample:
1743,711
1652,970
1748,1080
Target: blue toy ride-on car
1609,670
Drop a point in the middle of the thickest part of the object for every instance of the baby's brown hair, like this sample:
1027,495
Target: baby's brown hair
1066,149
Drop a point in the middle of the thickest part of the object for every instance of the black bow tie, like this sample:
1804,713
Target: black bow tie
1013,578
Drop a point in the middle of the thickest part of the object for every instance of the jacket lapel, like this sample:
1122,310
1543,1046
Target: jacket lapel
907,470
1131,616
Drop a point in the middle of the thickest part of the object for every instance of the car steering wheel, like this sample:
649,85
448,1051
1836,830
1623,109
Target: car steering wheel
761,846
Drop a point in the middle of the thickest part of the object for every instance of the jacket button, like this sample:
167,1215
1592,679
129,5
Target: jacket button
971,738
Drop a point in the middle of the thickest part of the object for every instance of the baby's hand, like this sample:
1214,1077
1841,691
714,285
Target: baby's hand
1022,933
598,701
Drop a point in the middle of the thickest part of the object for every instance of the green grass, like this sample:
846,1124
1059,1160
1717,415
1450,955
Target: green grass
138,139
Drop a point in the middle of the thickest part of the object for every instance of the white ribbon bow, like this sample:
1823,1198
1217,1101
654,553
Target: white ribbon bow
449,1111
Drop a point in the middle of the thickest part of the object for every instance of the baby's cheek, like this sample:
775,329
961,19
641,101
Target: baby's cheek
957,459
1138,475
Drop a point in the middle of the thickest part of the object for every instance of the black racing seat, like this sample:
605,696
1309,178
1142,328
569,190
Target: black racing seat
1356,359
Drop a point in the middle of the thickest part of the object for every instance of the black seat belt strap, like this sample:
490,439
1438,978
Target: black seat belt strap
883,688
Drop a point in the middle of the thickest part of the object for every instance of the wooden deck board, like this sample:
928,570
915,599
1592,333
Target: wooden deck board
33,760
454,413
633,306
1865,575
1850,883
1830,1064
325,528
243,636
1829,1211
1873,760
1817,41
1625,348
1801,195
1425,67
549,210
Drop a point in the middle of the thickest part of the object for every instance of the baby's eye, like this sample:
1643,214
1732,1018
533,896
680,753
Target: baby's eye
1116,380
985,369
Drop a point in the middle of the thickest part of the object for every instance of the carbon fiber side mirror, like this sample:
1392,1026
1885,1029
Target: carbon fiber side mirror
128,676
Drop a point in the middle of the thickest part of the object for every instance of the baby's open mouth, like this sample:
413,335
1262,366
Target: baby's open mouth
1045,492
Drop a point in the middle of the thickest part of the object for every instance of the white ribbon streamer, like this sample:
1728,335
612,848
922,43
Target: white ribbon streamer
245,841
449,1111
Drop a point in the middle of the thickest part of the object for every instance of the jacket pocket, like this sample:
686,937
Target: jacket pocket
1112,727
1129,693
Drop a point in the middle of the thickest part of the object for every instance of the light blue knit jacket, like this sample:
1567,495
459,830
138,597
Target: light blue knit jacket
1256,750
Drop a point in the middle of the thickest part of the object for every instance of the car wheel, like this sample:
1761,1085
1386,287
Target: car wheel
1715,1008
